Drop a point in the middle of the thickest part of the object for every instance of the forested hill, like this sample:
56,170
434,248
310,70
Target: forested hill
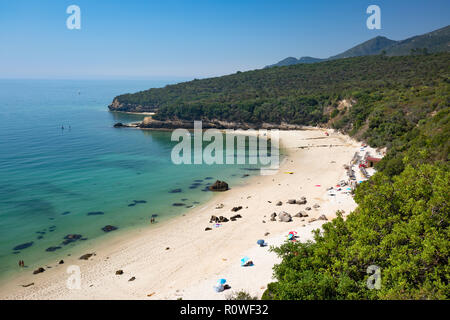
299,94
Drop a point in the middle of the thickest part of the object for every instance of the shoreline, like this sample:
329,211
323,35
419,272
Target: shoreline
197,258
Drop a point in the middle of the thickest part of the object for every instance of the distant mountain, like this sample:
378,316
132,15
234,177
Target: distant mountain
368,48
291,60
435,41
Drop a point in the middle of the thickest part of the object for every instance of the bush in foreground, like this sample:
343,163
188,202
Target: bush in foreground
400,225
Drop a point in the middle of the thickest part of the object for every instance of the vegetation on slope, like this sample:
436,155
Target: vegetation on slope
402,221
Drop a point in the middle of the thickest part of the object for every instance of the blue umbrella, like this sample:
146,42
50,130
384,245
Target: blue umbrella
260,243
244,260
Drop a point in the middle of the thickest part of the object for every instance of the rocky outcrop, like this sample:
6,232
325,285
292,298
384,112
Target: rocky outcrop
39,270
109,228
86,256
233,218
117,105
219,186
169,124
23,246
284,217
301,214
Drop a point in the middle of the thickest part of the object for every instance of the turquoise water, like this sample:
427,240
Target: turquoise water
51,179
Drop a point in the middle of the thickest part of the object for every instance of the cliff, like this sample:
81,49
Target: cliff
123,106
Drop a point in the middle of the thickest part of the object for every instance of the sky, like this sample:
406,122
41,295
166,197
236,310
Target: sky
171,39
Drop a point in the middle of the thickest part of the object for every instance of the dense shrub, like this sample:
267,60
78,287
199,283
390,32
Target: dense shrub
400,225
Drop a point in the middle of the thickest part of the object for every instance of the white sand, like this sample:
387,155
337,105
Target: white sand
198,258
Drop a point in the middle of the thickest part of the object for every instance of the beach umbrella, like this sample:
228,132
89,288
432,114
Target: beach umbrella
244,260
260,243
219,287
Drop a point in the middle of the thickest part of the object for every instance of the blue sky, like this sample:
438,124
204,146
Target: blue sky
168,39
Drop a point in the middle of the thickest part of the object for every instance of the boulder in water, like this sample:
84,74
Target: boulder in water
23,246
95,213
109,228
219,186
51,249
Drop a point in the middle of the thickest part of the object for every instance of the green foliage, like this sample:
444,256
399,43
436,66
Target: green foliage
241,295
400,225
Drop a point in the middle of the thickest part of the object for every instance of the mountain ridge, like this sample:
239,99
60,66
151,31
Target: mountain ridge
434,41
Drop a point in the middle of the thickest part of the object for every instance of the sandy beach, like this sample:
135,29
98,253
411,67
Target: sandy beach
179,259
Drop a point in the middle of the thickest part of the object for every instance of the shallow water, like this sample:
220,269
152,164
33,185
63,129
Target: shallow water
76,180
